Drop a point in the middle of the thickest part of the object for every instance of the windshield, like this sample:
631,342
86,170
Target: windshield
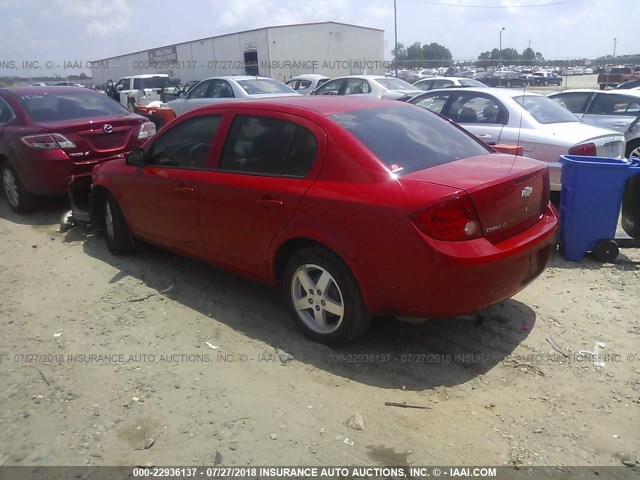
260,86
545,110
409,139
54,106
395,84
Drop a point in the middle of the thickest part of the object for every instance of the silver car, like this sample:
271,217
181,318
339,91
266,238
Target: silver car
614,109
543,128
224,89
375,86
307,82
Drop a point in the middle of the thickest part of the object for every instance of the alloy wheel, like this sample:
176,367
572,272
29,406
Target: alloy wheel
10,187
317,299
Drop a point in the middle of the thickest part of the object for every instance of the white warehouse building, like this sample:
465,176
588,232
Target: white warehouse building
328,48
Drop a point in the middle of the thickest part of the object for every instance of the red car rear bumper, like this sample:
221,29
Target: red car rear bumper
424,277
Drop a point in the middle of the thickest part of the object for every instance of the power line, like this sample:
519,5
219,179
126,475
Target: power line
532,5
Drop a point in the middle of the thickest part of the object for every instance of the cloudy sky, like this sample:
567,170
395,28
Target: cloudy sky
91,29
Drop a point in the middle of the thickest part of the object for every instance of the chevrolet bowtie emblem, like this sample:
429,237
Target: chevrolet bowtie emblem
526,192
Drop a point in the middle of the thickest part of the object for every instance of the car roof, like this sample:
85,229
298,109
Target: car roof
239,77
443,78
323,105
365,77
43,90
496,92
147,75
307,76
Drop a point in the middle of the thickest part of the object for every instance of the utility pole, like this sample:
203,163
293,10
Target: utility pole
500,52
395,31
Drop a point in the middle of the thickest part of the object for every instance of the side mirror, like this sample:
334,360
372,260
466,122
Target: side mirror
184,96
135,158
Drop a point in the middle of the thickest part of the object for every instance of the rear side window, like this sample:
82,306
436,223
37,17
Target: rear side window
409,139
268,146
613,104
49,107
574,102
187,145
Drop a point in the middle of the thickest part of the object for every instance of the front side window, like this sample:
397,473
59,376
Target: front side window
123,84
330,88
268,146
200,90
187,145
409,139
434,103
477,108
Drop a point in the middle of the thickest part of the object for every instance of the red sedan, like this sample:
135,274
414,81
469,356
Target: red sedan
49,134
352,207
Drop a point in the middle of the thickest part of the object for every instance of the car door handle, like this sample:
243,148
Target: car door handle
269,202
184,189
484,137
620,124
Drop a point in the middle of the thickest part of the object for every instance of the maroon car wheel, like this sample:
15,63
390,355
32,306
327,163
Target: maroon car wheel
323,297
17,196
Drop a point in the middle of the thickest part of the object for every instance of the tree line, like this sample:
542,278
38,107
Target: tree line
433,55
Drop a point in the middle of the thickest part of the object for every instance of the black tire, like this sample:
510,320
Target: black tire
18,198
602,87
117,234
606,251
508,84
631,146
131,104
342,290
546,83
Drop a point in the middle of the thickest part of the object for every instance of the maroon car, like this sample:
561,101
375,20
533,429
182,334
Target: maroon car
49,134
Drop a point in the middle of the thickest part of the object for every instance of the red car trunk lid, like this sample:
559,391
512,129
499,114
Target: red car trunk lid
97,138
510,194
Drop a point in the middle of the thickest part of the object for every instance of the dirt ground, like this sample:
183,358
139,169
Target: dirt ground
101,354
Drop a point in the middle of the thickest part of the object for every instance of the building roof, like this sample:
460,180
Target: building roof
238,33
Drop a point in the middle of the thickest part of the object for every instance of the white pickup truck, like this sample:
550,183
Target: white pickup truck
140,90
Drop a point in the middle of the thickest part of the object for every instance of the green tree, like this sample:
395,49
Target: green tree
415,56
436,55
528,55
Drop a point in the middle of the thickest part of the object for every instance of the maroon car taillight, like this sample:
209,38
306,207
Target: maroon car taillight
48,141
147,130
584,150
452,221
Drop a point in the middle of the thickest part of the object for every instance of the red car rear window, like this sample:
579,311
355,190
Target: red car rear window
70,105
409,139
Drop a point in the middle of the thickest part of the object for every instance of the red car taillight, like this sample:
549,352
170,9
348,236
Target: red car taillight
452,221
48,141
147,130
584,150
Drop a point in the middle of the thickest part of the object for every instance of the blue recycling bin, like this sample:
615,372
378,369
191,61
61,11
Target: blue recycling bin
592,190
